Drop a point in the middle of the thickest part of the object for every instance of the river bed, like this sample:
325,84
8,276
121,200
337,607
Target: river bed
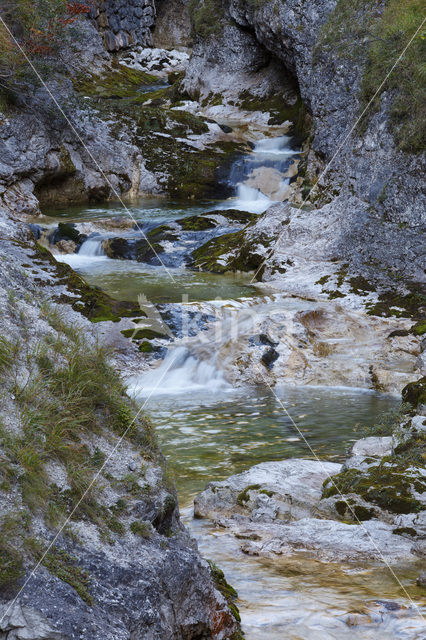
210,430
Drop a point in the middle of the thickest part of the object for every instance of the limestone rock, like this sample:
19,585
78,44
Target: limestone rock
285,490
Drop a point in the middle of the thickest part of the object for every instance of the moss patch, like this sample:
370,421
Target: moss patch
280,110
225,589
390,484
119,82
408,305
65,567
414,393
243,497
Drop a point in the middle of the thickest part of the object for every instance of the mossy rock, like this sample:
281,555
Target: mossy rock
94,304
235,215
119,82
230,252
281,111
143,334
382,485
196,223
409,305
419,328
225,589
415,392
244,496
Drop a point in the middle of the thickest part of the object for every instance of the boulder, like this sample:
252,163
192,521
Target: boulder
284,490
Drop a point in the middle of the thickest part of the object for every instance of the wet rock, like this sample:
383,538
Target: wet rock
421,580
36,230
285,490
327,540
372,446
66,246
67,231
415,392
269,357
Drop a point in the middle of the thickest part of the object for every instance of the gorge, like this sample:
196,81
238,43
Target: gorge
212,349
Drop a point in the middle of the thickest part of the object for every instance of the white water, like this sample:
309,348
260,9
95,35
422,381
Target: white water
274,146
250,199
179,372
91,248
252,175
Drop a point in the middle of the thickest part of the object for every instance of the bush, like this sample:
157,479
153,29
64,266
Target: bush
400,20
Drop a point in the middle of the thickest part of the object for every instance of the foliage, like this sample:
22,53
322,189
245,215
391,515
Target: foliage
400,20
377,33
37,29
206,17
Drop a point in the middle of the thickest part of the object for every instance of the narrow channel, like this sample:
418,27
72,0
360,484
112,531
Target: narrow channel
210,429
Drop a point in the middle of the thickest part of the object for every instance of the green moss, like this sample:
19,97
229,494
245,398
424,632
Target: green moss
120,82
207,17
392,303
243,497
196,223
419,328
146,347
333,295
225,589
363,513
414,393
142,334
210,256
280,111
64,566
401,531
360,285
385,486
323,280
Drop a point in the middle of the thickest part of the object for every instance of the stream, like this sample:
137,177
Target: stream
209,429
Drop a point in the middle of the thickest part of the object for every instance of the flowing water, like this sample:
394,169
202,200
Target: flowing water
209,430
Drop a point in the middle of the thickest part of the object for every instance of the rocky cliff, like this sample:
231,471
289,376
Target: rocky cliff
124,24
325,48
357,204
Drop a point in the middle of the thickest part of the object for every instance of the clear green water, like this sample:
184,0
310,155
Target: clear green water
127,279
144,209
209,437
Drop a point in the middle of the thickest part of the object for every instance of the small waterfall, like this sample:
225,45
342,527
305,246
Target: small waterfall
275,146
179,372
251,199
259,178
91,248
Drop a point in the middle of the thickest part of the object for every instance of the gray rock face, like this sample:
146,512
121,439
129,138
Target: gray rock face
368,165
47,159
124,24
172,25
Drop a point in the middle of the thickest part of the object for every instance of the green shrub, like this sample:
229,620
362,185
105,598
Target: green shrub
142,529
400,20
